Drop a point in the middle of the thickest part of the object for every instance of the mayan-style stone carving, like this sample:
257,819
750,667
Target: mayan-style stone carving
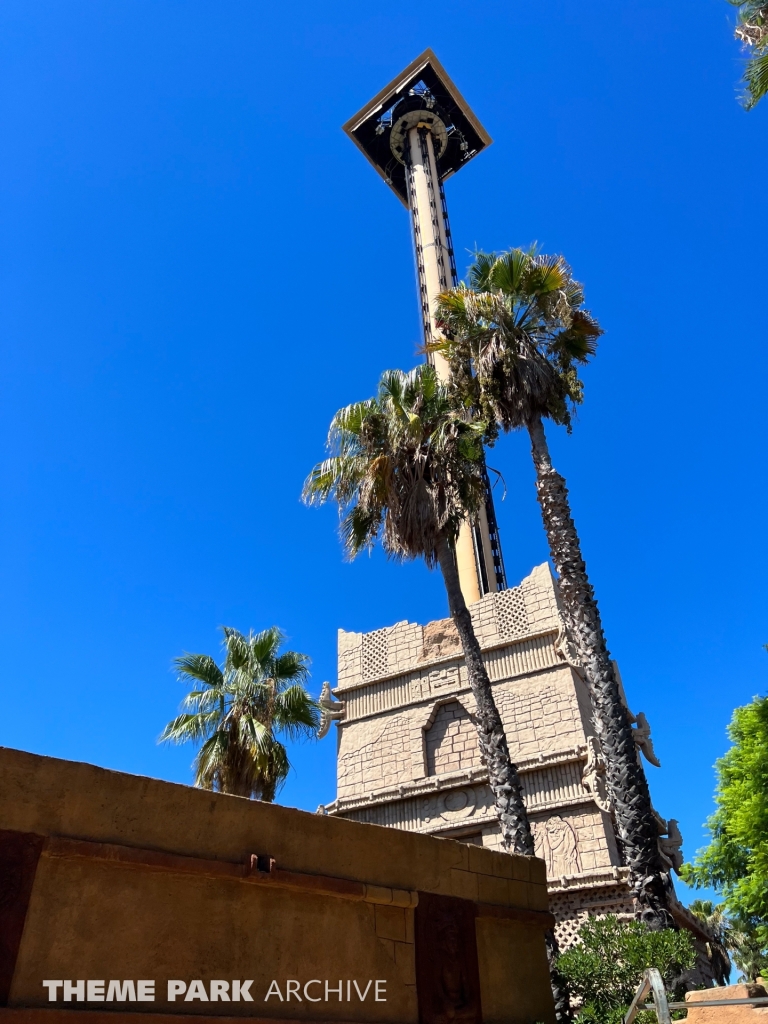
593,778
670,843
375,654
557,844
330,709
457,804
642,737
511,614
566,649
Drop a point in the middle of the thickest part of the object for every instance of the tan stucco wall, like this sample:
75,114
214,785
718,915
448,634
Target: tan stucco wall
90,917
700,1013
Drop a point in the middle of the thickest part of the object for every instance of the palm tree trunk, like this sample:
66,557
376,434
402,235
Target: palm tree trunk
627,784
503,776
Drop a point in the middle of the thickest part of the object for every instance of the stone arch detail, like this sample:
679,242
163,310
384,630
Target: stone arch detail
450,739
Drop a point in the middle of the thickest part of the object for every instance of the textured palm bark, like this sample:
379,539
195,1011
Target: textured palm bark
503,776
558,983
627,784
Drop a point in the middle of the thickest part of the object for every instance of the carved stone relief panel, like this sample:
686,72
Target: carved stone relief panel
374,754
540,717
454,806
442,679
557,844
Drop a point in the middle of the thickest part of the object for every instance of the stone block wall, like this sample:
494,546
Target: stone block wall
451,740
381,745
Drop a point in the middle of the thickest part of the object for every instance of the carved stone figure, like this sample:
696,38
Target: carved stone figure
642,737
566,649
330,709
593,777
556,843
671,847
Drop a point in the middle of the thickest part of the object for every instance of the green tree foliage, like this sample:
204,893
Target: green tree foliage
748,950
715,919
605,966
735,863
404,467
752,32
235,712
516,336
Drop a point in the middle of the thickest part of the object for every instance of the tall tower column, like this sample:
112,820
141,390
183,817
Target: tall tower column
416,132
435,270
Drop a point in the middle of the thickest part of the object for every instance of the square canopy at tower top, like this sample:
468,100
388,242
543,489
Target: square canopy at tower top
371,128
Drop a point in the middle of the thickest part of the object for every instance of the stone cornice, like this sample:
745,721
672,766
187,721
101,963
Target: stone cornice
454,780
595,878
444,662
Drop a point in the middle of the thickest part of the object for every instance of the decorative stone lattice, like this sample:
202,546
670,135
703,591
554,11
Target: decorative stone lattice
375,654
571,910
511,613
568,921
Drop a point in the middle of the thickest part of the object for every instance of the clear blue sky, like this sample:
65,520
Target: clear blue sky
198,269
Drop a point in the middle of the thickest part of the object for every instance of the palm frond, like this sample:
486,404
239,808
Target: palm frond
237,648
410,473
521,325
199,666
254,735
210,762
188,727
289,667
756,79
296,713
263,647
360,528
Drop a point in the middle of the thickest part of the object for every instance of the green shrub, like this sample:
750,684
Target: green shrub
605,966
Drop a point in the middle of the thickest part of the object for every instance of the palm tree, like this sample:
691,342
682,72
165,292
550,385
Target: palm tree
715,920
749,952
752,32
515,338
407,468
235,711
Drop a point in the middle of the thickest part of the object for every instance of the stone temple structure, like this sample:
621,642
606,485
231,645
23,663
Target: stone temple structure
408,755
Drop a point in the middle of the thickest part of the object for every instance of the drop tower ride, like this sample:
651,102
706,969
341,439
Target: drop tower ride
407,754
417,132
